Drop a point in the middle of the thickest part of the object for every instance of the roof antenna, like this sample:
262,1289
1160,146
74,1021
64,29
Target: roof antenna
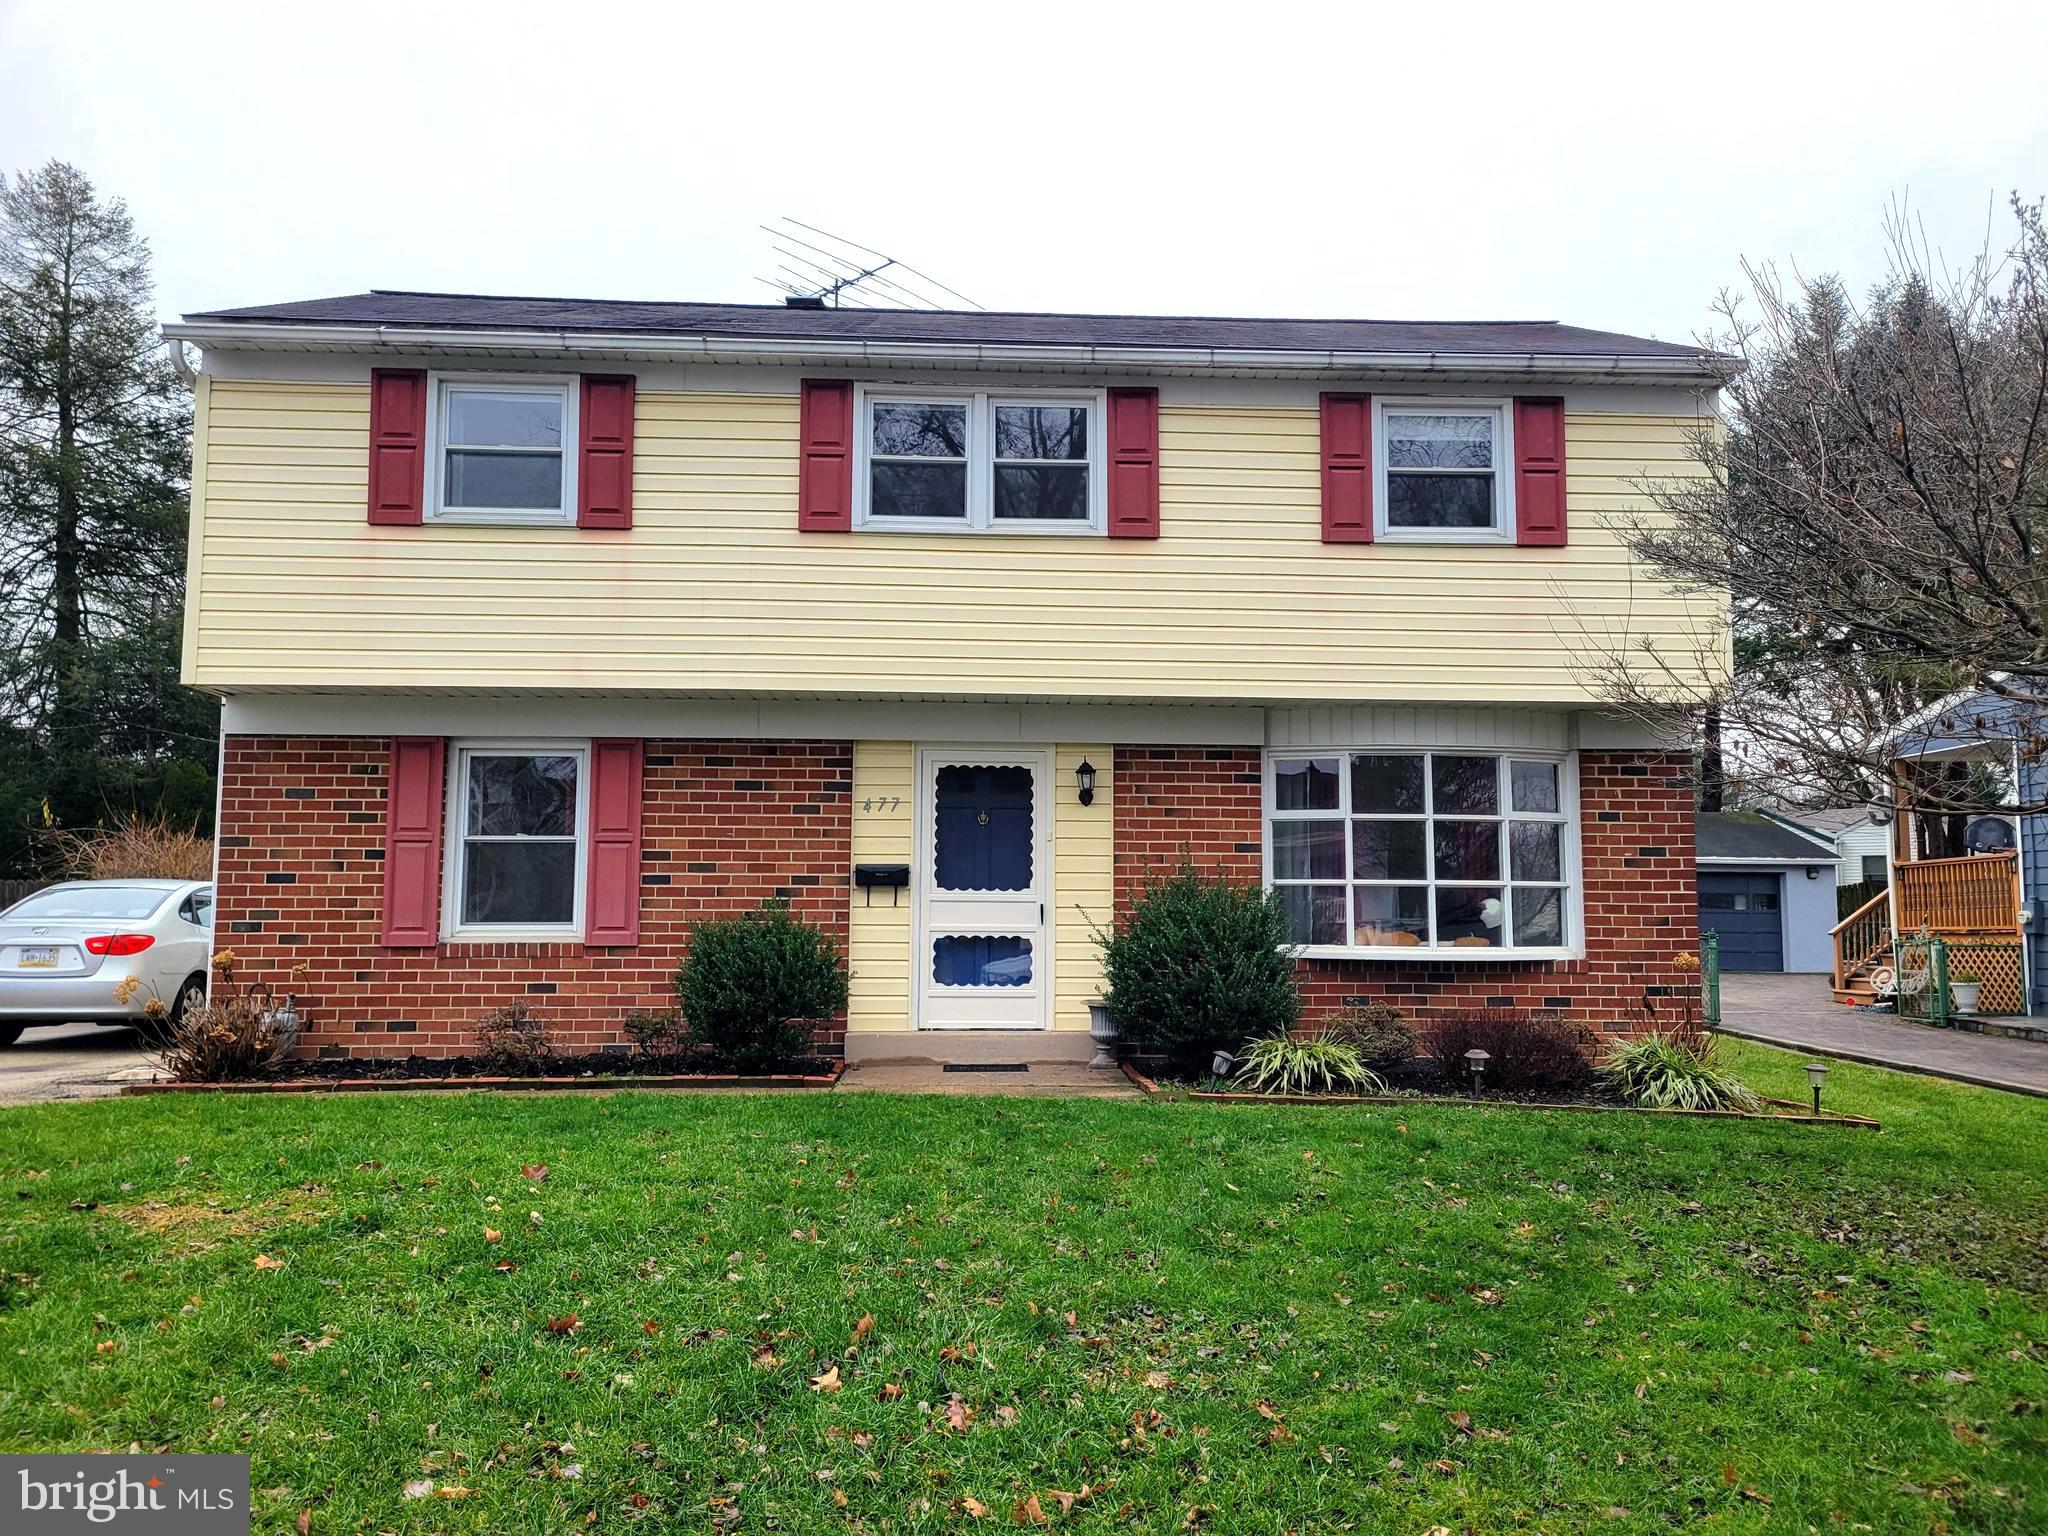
832,272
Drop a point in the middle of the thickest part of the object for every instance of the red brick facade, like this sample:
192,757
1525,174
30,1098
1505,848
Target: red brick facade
726,824
1636,858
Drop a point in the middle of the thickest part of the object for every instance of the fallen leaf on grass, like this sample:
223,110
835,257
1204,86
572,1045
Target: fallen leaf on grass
650,1327
1158,1381
305,1522
1460,1421
265,1261
890,1392
958,1415
827,1380
1028,1512
417,1489
975,1508
570,1324
534,1171
1755,1497
493,1235
862,1329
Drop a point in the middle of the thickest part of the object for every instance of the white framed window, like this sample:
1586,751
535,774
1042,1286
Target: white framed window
1394,852
516,843
948,460
501,448
1443,471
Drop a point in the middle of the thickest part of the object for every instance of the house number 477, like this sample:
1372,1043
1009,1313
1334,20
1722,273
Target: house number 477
875,803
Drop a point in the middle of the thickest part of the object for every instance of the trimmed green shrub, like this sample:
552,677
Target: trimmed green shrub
1537,1051
1380,1032
1669,1072
1321,1063
515,1040
1199,964
754,988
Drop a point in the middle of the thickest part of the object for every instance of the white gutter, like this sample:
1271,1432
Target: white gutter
180,363
855,351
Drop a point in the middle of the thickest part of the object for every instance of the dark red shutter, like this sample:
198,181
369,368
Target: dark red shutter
398,444
611,902
824,491
1347,469
1133,463
604,467
412,842
1539,470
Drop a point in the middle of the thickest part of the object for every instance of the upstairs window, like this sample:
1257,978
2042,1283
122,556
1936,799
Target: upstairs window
502,450
939,460
1442,470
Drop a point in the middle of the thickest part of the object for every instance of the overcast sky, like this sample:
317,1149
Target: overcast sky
1417,161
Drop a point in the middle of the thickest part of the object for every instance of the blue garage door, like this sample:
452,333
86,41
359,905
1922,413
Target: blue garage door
1743,910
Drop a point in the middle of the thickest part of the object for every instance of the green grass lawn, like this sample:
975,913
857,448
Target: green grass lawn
1278,1319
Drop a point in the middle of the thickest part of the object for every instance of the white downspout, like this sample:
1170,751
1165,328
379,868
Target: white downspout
181,364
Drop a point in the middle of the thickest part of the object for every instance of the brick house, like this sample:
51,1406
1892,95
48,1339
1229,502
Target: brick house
546,628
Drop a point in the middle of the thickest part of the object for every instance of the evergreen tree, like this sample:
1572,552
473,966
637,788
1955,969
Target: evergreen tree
95,431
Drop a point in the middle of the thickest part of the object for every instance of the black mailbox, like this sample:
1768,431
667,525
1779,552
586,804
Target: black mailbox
893,876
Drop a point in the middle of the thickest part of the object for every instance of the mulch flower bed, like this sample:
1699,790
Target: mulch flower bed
1428,1089
602,1070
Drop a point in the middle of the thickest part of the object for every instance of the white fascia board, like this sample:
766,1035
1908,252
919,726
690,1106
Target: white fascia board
855,353
1774,863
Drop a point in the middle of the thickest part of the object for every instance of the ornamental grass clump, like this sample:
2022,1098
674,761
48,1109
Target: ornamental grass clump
1199,965
755,988
1674,1071
1321,1063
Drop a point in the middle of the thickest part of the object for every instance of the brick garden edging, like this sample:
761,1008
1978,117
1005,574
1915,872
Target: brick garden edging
1152,1090
710,1081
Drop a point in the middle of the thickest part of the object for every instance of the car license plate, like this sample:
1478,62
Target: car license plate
43,956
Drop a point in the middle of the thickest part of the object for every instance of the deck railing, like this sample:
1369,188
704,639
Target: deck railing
1972,895
1862,935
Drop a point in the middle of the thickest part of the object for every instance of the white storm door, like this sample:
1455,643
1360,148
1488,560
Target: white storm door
982,961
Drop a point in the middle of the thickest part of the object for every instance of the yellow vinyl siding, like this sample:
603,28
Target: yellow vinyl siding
714,589
1083,884
878,923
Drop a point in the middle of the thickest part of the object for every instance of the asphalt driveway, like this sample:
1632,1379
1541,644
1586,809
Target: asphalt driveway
1800,1014
71,1061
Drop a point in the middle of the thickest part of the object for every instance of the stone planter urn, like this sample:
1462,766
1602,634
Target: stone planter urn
1102,1030
1963,995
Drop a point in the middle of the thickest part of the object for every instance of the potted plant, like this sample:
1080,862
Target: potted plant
1963,989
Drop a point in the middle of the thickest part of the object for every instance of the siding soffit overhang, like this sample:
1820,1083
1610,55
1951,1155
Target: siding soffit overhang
856,354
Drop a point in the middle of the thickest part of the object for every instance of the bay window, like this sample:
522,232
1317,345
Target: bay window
1399,849
947,460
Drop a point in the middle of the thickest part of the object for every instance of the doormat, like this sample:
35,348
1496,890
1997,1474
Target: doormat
986,1066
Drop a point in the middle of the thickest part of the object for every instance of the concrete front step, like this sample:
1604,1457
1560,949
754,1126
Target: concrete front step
968,1046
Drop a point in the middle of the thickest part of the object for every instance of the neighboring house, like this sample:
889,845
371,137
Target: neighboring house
1978,882
546,628
1861,841
1768,890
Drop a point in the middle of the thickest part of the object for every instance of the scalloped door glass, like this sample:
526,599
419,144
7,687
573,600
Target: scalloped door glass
981,960
982,838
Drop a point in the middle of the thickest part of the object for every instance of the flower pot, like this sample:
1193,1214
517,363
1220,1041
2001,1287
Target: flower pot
1962,995
1102,1030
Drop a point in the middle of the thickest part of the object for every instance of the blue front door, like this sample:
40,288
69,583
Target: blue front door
981,953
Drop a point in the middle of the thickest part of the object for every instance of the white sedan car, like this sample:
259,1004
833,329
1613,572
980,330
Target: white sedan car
65,951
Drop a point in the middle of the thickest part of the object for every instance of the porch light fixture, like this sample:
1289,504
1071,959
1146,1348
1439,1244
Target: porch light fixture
1084,781
1475,1063
1816,1074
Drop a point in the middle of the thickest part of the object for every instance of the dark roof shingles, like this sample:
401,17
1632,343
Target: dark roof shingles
1746,835
454,311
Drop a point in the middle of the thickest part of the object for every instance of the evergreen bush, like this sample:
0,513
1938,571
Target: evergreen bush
753,988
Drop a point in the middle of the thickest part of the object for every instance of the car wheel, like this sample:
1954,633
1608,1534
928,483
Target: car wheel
9,1033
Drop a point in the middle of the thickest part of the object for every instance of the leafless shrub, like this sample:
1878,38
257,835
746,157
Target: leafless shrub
133,848
515,1040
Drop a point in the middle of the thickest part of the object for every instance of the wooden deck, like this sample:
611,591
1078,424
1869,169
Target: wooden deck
1970,902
